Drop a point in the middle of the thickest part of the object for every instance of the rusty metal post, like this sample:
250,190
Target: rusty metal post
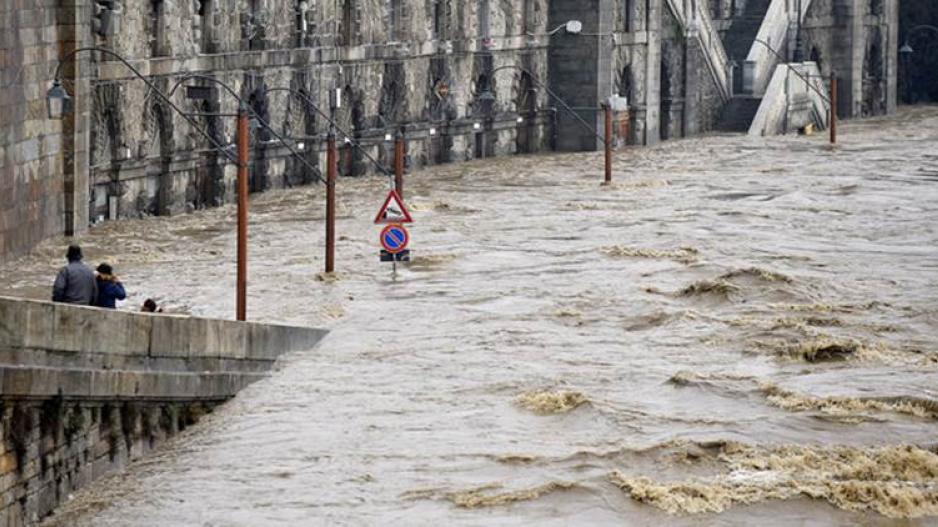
833,108
608,111
331,162
399,164
243,138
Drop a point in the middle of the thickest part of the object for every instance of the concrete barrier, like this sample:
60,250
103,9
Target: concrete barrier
86,390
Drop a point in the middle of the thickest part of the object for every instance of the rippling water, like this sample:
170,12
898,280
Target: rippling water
739,331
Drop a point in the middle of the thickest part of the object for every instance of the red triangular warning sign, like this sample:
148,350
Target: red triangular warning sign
393,210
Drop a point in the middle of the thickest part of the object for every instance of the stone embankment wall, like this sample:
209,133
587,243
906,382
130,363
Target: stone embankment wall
85,390
33,201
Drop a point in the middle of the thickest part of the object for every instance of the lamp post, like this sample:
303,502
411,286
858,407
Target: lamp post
833,126
335,102
242,279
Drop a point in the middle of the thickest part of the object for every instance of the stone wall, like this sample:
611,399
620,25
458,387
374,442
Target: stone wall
858,39
85,390
32,201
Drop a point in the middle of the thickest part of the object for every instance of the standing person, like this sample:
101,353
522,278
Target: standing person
75,283
110,288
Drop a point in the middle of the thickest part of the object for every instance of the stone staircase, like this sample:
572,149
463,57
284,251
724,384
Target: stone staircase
738,114
744,28
738,40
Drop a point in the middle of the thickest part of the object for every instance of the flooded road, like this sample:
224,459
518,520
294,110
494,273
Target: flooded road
739,331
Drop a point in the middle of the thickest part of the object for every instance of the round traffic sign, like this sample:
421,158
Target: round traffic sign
394,238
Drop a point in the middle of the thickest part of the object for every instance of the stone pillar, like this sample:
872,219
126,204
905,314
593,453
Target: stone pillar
74,22
858,41
891,13
606,74
574,72
693,68
653,73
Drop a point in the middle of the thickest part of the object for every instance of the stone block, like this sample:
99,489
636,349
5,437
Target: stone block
218,338
170,336
26,324
92,330
267,342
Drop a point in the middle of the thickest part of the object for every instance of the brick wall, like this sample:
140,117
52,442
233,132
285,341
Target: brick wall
31,184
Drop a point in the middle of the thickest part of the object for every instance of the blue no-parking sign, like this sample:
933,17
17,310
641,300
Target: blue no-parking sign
394,238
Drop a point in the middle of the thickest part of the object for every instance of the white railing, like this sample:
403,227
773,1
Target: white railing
770,46
713,51
796,96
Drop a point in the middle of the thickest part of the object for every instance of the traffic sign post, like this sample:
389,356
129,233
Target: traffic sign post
393,210
394,237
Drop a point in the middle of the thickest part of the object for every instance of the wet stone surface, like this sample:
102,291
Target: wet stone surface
739,331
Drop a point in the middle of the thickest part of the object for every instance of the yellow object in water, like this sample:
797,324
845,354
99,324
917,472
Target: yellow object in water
808,129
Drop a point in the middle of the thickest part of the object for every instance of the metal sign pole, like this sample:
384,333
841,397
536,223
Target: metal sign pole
241,294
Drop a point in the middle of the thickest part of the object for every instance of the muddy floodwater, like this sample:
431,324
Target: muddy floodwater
739,331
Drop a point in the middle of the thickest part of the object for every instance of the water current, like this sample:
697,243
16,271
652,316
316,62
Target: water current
738,331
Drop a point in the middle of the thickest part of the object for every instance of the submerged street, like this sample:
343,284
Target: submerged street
738,331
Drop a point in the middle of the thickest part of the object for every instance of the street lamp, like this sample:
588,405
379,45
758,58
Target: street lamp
574,27
58,101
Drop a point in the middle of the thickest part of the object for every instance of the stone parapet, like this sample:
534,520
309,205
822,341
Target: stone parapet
84,390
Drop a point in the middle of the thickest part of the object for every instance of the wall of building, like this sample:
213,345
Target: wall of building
32,199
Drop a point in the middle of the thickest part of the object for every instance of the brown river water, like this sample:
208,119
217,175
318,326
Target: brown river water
739,331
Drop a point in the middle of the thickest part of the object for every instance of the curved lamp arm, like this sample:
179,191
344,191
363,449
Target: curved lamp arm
71,55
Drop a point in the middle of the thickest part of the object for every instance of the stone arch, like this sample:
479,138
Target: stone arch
258,180
440,110
392,105
106,149
351,118
873,76
666,99
624,87
348,24
105,126
209,181
300,127
526,107
206,26
156,198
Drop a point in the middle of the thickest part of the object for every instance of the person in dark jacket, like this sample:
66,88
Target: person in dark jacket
110,289
75,283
